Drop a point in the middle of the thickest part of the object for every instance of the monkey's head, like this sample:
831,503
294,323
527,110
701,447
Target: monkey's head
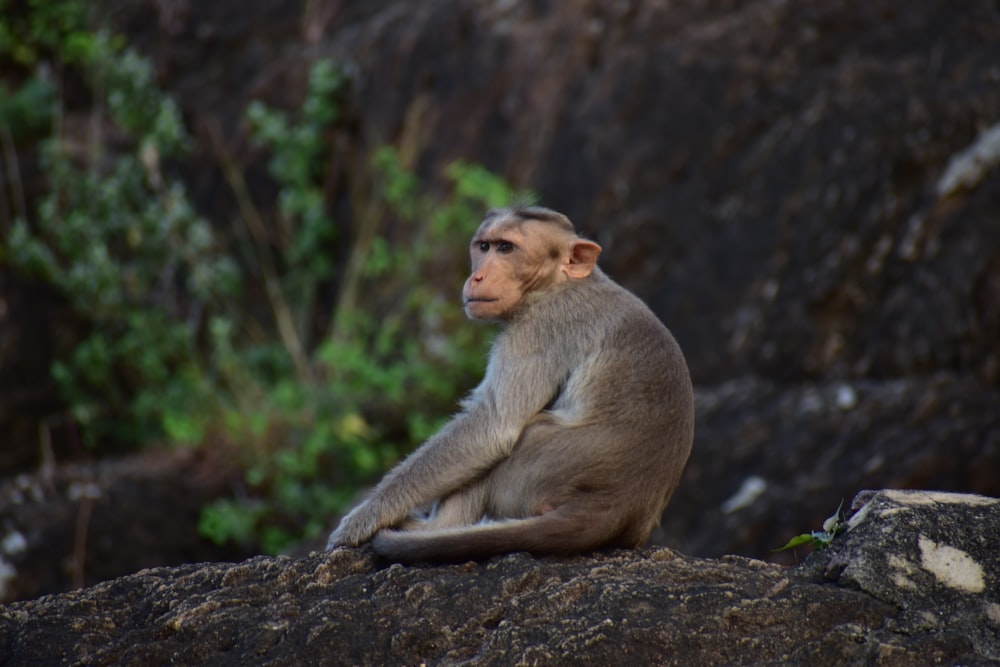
519,251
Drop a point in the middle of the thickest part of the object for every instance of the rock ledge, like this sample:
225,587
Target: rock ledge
914,581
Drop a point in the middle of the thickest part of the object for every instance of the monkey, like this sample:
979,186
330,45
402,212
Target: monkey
578,433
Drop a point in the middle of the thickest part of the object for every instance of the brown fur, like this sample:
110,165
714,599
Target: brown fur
576,437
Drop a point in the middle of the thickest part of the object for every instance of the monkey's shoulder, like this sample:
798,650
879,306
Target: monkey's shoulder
605,301
587,314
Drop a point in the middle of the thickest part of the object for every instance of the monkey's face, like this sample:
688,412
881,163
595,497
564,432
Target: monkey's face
512,258
500,254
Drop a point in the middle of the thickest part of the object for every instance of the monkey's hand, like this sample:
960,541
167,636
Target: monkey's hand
359,526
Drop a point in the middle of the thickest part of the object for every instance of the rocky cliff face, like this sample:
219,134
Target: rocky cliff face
914,581
773,177
807,193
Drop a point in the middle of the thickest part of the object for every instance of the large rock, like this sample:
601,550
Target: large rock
915,581
768,174
783,181
772,459
932,555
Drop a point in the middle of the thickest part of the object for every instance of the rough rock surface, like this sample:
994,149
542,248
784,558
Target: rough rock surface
770,459
933,555
915,581
772,176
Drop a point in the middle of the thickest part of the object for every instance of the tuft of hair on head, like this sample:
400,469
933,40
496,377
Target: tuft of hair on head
523,199
525,213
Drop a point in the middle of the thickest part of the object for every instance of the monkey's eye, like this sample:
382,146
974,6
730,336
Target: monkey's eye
484,246
505,247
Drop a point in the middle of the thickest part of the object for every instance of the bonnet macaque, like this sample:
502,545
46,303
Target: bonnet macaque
577,435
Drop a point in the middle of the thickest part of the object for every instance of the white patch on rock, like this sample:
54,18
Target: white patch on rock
993,613
847,398
966,169
859,516
80,490
928,619
952,567
749,491
902,569
931,497
13,543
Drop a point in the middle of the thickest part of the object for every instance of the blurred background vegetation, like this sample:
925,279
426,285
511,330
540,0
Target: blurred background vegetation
313,363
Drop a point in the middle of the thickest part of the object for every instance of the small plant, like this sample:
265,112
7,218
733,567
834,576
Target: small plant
820,539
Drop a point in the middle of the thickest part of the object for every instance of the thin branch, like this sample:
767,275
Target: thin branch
369,212
80,539
13,169
367,217
258,232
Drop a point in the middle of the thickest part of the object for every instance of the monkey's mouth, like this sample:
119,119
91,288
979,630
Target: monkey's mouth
480,300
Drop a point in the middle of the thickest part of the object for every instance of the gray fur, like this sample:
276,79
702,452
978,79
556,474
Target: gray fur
574,440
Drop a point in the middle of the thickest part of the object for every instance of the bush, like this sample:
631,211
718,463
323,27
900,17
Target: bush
121,240
176,350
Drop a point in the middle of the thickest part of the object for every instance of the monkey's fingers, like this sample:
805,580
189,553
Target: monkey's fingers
356,528
333,541
343,538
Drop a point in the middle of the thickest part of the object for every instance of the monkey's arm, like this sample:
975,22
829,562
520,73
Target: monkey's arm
467,447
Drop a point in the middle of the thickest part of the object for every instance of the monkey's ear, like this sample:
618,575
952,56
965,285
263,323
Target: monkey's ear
582,259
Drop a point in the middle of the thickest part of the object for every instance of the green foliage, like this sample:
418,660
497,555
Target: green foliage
299,158
33,30
34,33
28,110
135,102
820,539
391,371
122,241
179,347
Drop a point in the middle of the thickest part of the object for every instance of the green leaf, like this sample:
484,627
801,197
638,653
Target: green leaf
798,540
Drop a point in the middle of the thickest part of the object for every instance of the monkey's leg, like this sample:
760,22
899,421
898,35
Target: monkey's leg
618,478
462,508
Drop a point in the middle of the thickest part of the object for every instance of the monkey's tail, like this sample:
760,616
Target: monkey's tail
559,532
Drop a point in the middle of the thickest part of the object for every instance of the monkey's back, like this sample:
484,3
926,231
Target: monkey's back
619,430
622,365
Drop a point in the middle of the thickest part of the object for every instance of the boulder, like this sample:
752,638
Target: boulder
772,459
914,580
